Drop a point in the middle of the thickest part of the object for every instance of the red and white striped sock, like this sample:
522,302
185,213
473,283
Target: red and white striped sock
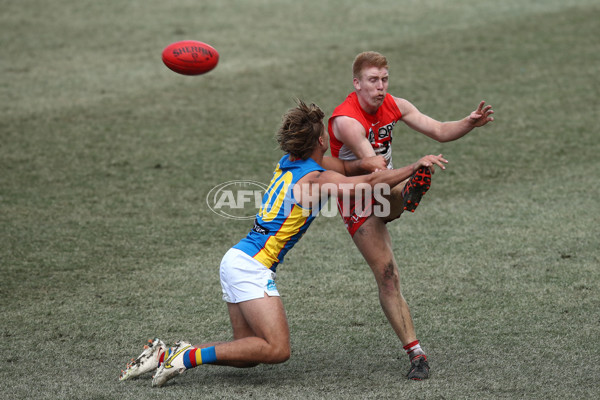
414,349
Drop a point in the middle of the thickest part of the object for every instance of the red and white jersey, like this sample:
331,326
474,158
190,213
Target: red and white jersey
378,127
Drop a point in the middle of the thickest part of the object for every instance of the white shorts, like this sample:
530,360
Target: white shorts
243,278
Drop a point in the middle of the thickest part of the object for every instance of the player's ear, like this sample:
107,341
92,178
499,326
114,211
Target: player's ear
356,83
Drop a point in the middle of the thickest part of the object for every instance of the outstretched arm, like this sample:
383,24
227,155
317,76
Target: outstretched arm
444,131
354,167
314,185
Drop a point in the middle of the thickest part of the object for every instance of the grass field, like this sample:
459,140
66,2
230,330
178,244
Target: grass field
106,158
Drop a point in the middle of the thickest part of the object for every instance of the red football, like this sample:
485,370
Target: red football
190,57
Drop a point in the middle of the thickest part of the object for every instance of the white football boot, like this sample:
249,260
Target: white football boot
172,365
146,362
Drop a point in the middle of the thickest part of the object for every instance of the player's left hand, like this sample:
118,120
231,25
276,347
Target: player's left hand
482,115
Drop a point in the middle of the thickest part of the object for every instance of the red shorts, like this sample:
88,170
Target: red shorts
354,216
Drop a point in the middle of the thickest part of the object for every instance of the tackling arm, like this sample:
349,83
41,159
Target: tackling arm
314,185
354,167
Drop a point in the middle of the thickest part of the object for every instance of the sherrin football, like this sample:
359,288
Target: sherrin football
190,57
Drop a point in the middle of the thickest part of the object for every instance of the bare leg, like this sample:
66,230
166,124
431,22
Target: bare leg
260,334
374,242
396,202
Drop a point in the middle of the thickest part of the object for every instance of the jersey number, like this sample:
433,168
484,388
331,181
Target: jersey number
275,194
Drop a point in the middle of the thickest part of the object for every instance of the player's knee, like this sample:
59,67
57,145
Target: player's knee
280,354
284,355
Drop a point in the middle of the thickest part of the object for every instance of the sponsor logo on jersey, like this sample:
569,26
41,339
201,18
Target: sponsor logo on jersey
258,228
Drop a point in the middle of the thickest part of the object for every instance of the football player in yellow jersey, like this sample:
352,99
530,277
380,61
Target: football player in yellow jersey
303,179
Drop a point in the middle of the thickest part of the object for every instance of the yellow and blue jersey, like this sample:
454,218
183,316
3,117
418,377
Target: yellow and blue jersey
281,221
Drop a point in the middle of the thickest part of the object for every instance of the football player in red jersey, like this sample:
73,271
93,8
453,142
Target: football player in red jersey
360,127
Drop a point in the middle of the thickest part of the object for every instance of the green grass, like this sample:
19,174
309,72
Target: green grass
107,157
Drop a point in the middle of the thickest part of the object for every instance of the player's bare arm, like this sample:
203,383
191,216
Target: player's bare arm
444,131
354,167
309,188
350,132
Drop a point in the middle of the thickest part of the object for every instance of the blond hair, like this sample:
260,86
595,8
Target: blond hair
366,60
300,130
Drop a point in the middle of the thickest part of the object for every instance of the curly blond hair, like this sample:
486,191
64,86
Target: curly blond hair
300,130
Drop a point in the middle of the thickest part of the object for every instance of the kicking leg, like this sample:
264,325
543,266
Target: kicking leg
408,194
396,202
